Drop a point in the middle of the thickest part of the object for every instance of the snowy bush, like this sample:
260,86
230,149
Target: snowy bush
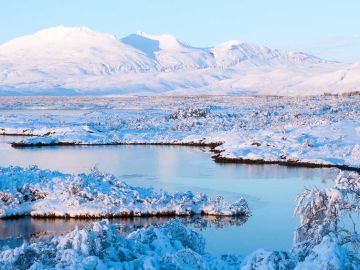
316,131
100,246
322,241
43,193
327,223
190,113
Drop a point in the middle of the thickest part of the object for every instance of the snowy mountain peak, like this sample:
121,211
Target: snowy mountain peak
165,41
62,31
81,58
60,37
168,52
230,44
71,50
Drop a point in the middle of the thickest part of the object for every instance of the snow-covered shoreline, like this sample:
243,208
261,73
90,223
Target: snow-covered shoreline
321,131
44,193
316,131
321,242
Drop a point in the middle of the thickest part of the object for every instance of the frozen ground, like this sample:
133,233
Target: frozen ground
309,131
323,241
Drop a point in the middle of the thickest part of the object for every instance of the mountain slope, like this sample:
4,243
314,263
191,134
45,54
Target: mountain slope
76,48
234,52
170,53
78,60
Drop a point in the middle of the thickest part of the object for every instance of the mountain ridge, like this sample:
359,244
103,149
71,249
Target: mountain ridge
84,59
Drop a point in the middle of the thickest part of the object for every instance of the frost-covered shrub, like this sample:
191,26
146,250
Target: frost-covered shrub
326,218
323,241
101,246
276,122
349,94
189,113
44,193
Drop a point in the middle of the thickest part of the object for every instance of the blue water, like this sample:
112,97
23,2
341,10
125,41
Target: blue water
270,189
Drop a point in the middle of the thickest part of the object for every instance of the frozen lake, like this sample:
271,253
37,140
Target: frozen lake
269,189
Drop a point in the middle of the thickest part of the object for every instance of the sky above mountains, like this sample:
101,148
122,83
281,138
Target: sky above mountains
328,29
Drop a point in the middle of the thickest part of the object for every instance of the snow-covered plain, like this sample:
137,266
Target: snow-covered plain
308,131
321,242
80,61
312,131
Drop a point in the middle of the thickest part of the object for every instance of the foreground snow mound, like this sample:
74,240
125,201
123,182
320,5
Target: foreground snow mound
329,254
101,246
328,237
43,193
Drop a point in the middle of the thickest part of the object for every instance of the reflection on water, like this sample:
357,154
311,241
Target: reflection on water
270,189
13,232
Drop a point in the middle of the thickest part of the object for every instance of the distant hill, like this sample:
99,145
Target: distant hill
81,61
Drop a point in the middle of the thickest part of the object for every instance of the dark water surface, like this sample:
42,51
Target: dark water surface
270,190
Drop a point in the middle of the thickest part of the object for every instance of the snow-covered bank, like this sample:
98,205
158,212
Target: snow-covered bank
312,131
45,193
325,144
321,242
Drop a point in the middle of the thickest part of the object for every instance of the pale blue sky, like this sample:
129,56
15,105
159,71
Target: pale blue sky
329,28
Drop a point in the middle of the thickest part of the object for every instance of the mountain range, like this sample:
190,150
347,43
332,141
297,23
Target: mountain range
80,61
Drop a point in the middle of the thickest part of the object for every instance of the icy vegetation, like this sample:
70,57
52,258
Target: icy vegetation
44,193
79,61
324,241
101,246
306,131
328,236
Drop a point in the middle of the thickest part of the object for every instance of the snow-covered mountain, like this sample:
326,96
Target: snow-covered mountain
78,60
171,54
234,52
